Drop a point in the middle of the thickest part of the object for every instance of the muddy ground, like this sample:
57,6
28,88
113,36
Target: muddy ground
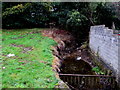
70,56
68,51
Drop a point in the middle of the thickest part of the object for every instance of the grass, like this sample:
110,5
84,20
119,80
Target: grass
31,65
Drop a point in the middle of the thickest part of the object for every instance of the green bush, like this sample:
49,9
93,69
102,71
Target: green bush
75,20
97,70
25,15
66,15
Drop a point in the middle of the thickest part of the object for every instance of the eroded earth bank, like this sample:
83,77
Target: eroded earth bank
69,56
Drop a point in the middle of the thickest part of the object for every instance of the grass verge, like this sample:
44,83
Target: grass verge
31,65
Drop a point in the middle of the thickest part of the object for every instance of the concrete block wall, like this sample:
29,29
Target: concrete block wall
104,43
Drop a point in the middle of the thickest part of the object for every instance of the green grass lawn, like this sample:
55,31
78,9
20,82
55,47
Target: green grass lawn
31,65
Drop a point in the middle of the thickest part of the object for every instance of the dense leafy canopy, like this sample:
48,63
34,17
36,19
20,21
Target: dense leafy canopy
74,16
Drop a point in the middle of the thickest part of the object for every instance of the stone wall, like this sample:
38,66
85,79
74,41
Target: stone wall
105,43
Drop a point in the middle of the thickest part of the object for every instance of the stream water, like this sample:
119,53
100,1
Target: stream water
73,66
72,59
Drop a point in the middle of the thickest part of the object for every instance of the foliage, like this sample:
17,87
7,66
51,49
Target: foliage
12,16
22,15
97,70
75,19
29,68
14,10
25,15
115,8
107,17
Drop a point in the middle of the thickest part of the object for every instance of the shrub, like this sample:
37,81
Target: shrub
75,20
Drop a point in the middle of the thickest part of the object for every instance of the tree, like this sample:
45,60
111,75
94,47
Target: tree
25,15
73,16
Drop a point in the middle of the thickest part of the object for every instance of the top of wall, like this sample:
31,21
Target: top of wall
105,34
105,31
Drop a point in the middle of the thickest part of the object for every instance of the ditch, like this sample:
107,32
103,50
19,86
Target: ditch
71,60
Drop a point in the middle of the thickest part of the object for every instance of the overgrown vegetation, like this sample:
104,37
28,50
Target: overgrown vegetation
76,17
97,70
31,65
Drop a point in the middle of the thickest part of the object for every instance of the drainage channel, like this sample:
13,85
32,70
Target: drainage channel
73,65
77,73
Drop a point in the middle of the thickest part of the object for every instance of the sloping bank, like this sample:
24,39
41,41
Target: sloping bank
69,58
60,36
66,54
